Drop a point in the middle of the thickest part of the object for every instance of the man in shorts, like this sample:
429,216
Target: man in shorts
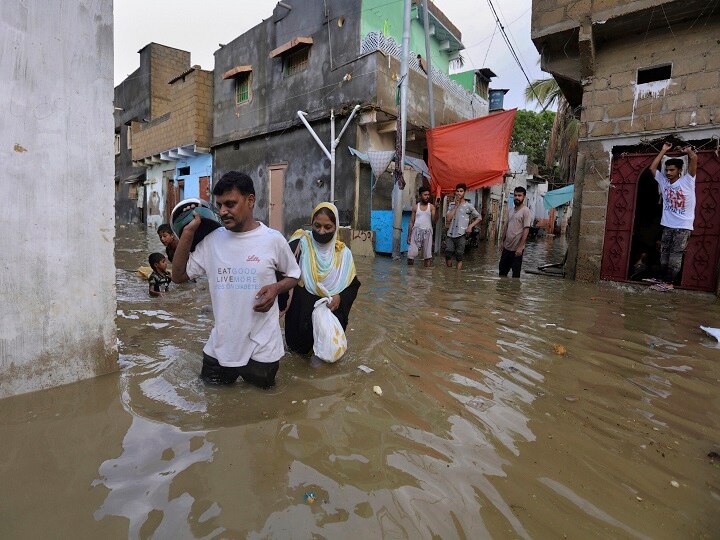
462,217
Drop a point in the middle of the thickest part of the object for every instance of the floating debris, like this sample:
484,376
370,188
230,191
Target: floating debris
675,483
571,398
560,350
714,332
377,390
310,497
451,319
366,369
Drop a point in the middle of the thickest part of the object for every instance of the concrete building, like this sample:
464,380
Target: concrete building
174,147
143,95
57,282
322,58
640,72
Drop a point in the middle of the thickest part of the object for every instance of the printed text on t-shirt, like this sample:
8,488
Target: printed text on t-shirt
240,278
675,201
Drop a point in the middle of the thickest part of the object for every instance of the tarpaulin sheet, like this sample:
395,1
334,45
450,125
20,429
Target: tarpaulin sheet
558,197
474,152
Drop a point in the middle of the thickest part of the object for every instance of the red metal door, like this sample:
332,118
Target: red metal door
700,264
624,175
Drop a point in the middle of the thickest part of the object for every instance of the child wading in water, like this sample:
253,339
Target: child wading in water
168,239
159,280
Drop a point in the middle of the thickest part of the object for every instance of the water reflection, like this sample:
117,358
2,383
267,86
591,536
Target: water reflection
140,480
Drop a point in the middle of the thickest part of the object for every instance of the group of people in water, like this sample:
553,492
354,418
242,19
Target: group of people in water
255,276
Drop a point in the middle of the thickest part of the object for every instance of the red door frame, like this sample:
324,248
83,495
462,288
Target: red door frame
700,266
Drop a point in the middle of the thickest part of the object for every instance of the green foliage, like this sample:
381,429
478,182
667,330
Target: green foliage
531,135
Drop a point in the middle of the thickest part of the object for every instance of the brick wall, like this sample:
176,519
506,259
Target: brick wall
188,119
614,109
165,63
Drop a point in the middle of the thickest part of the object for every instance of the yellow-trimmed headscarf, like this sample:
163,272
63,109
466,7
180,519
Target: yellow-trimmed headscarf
327,269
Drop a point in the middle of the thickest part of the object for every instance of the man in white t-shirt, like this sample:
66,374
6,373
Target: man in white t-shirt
678,195
240,261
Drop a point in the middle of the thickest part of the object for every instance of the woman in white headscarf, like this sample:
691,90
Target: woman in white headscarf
328,271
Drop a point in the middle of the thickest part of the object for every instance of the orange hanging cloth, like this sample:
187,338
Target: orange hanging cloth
474,152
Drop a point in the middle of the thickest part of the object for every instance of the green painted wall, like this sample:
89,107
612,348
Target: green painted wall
387,17
466,79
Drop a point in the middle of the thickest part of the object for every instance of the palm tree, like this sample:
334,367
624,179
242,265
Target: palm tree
563,144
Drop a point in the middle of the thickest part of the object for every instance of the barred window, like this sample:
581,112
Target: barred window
296,62
242,88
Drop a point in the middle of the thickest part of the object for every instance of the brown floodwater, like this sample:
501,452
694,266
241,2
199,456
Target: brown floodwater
532,408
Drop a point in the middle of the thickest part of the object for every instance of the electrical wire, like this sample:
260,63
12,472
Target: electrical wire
514,54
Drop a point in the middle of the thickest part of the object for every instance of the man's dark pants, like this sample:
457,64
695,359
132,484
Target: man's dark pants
673,244
455,247
509,260
256,373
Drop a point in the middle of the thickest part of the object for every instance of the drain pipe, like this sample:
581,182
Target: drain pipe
333,142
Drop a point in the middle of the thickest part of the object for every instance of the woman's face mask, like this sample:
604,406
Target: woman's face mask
323,229
322,238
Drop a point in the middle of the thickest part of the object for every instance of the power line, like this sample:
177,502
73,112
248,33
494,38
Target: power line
513,53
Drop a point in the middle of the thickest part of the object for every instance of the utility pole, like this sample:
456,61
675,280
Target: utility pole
431,110
426,24
333,142
401,135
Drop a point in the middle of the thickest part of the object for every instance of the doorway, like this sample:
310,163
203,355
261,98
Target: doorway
170,194
204,182
629,208
647,231
277,194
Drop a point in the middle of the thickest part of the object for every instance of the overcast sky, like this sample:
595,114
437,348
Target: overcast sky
198,27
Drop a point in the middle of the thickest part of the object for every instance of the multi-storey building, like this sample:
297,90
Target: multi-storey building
323,58
639,72
174,147
143,95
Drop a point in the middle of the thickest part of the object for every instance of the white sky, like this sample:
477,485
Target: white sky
198,27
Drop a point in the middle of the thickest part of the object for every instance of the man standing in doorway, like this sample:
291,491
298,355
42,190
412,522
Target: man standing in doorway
515,234
420,229
241,261
678,195
460,228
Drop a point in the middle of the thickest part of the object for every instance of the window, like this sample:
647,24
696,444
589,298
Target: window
183,171
117,144
129,137
658,73
242,88
296,62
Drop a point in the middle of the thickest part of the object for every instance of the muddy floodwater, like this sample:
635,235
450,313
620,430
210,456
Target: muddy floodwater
532,408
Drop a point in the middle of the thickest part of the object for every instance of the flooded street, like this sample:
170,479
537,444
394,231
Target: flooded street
532,408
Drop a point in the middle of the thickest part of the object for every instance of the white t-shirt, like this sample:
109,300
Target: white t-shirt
238,265
678,201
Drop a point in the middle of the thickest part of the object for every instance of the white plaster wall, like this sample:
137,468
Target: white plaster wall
57,275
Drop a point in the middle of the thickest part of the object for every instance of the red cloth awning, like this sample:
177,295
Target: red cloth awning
474,152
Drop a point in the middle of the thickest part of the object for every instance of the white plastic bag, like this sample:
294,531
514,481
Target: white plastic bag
329,341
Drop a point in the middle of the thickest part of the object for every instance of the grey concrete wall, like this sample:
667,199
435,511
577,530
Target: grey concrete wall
307,166
275,99
57,281
132,102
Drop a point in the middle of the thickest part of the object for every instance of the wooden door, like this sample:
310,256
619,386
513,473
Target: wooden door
170,197
205,188
277,193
